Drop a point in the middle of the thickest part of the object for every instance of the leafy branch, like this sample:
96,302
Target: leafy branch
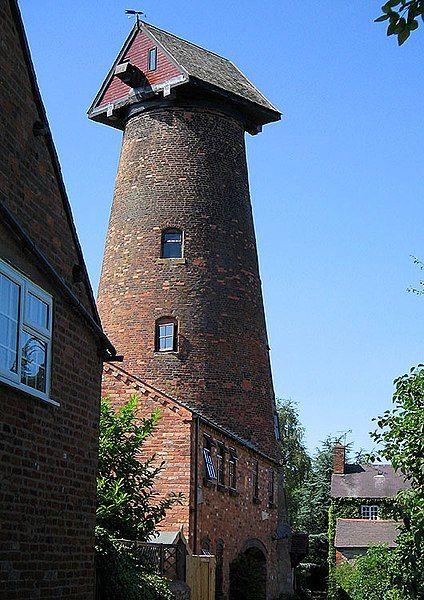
403,20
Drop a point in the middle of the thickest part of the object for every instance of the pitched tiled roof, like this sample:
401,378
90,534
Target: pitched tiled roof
362,533
209,67
368,481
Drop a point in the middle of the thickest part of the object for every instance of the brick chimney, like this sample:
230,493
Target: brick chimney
339,457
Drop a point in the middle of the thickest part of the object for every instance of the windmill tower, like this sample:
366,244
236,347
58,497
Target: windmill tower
180,292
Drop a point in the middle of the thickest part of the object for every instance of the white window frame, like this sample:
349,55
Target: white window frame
166,337
152,58
369,511
26,286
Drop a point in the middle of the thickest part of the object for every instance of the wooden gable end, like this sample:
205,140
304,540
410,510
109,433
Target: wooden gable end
137,53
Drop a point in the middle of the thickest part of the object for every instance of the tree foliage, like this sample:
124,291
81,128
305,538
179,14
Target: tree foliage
401,436
404,19
313,496
368,577
127,506
295,458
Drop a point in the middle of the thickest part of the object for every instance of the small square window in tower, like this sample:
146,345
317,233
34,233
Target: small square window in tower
166,335
172,243
152,59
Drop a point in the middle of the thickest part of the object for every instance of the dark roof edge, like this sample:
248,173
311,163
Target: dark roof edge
17,17
197,414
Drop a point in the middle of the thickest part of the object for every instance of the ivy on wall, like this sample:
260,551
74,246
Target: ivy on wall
350,508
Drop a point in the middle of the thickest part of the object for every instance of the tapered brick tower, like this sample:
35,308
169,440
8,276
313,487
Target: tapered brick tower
180,296
183,174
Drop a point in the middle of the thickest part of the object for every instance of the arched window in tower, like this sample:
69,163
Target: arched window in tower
172,243
166,335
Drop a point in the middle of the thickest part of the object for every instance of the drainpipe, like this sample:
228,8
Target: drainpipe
196,481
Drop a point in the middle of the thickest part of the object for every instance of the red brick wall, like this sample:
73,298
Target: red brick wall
188,169
48,454
236,520
170,442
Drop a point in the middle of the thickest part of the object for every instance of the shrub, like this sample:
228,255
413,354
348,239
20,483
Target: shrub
368,577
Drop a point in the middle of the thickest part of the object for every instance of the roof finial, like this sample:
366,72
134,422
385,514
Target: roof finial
130,12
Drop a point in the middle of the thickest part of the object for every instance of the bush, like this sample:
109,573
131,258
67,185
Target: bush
120,576
368,577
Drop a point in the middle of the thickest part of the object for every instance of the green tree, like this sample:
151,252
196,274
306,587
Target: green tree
313,496
127,506
368,577
400,434
296,461
404,19
313,501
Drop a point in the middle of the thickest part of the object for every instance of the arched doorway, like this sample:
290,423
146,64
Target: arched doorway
248,573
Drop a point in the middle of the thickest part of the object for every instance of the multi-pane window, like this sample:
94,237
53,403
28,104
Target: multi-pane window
172,243
220,464
210,472
166,335
255,479
152,61
25,332
232,470
271,487
369,512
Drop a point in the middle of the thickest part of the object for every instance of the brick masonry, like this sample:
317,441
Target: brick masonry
48,454
235,520
187,169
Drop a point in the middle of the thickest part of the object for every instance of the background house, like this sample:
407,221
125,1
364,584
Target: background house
361,513
51,352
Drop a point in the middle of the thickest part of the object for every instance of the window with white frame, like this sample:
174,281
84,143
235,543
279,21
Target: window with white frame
152,59
369,512
25,332
166,335
210,472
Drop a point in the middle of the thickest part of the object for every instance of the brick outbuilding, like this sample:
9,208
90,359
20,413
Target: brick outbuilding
180,294
51,352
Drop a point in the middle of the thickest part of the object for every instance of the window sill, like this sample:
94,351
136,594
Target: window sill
166,353
233,492
28,391
221,487
208,483
171,261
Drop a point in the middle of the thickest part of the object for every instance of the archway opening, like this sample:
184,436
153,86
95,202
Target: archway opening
248,574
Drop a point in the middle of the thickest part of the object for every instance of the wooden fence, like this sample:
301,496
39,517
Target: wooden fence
201,577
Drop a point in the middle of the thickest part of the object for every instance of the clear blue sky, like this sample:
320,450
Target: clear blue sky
337,185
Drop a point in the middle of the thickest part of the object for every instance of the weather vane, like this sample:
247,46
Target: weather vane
137,13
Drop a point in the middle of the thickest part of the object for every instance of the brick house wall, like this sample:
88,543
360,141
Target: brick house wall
170,441
48,453
232,518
